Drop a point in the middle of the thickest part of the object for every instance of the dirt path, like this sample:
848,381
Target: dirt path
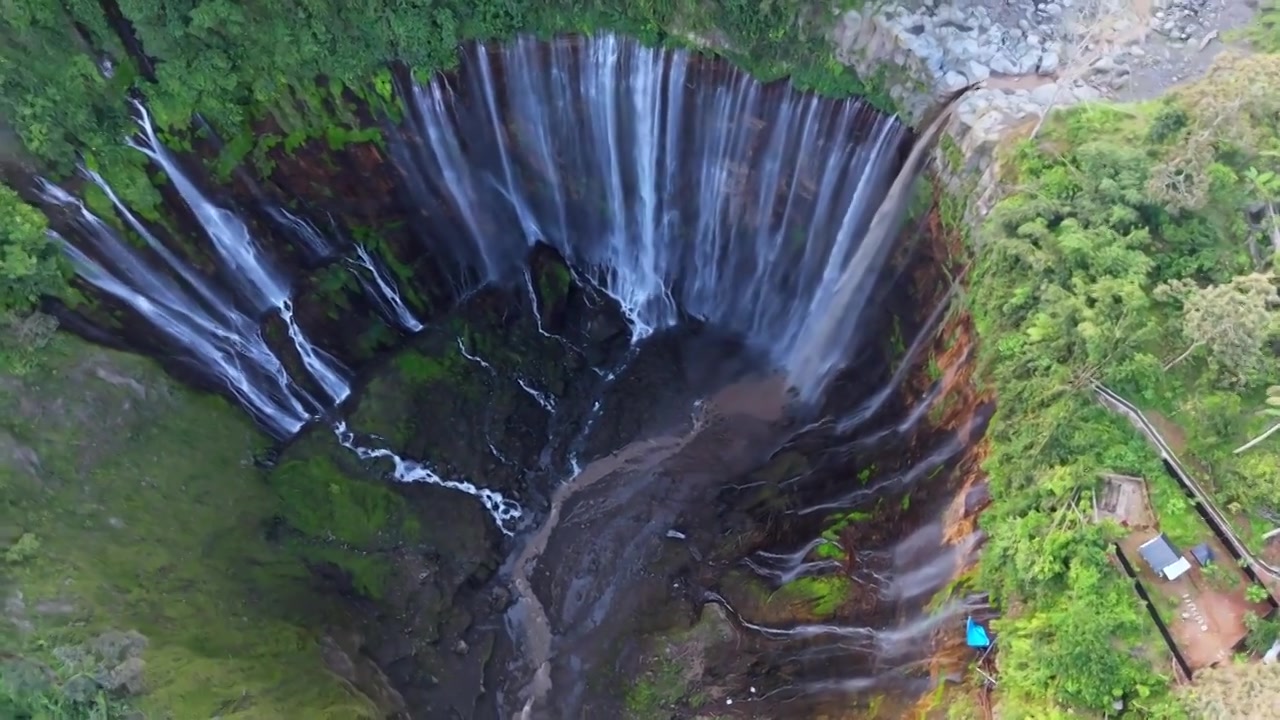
1165,62
1131,50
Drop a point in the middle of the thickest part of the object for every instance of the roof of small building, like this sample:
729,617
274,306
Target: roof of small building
1203,553
1159,552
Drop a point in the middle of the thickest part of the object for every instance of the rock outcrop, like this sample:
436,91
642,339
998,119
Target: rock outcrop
1029,58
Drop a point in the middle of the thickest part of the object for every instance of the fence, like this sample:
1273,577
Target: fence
1151,608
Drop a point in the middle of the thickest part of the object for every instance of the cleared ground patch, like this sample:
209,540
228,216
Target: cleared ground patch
1124,500
1204,608
1204,614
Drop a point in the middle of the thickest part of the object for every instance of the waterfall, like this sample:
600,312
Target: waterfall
324,368
683,187
207,327
383,291
314,243
502,510
680,186
320,247
677,184
246,266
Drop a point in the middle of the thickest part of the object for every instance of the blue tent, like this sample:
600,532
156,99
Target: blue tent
976,635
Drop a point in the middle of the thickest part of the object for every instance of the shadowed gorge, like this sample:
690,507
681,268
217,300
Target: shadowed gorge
581,340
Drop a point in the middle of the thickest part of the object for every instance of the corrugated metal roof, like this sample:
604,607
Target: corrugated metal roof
1159,553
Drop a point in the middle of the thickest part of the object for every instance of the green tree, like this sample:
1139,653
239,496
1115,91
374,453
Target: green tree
1072,650
31,266
1266,187
1234,321
1263,632
1273,410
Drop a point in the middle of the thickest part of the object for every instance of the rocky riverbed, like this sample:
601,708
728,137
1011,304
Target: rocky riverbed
1031,57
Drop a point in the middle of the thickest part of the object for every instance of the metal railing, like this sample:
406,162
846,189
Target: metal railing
1213,515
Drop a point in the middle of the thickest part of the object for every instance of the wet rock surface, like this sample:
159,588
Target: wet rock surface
473,624
510,400
598,565
629,546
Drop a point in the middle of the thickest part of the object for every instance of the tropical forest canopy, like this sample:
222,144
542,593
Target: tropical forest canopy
1137,249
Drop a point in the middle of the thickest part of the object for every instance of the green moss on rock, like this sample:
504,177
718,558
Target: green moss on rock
150,517
822,595
317,499
420,366
345,522
670,681
554,282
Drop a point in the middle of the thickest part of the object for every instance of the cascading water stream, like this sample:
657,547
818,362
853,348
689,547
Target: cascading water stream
537,314
782,568
384,291
211,296
248,268
546,400
315,243
889,656
897,483
205,326
675,185
504,512
320,248
324,368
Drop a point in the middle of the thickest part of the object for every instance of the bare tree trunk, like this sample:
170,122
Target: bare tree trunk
1275,228
1254,253
1184,354
1258,439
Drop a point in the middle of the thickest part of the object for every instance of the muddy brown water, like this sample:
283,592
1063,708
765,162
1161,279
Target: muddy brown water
602,529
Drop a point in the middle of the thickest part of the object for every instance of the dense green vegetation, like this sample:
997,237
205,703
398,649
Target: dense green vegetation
1136,248
31,266
131,517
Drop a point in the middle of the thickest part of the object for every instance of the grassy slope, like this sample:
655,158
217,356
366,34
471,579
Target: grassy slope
149,515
